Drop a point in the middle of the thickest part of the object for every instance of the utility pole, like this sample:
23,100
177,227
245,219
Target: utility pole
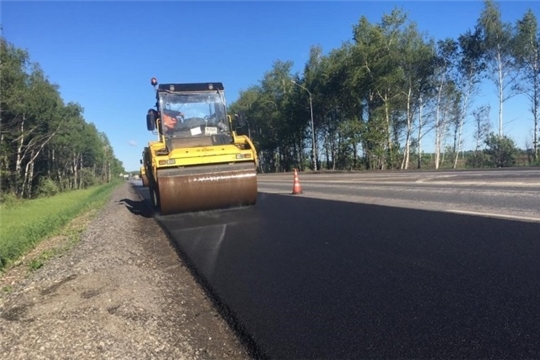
312,126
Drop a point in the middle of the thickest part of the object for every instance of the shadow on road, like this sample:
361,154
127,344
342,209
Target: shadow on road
140,207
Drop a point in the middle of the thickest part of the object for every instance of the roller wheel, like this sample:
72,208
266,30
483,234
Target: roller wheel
154,198
144,179
202,188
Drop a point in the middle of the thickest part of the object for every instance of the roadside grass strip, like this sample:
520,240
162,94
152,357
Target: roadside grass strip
23,226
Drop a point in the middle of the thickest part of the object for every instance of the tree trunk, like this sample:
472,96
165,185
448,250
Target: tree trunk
4,167
333,151
355,154
501,93
455,145
326,147
406,157
30,184
74,161
438,127
419,166
80,168
388,131
462,117
536,97
19,158
24,185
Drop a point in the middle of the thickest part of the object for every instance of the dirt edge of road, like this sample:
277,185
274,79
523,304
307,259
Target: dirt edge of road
121,292
226,313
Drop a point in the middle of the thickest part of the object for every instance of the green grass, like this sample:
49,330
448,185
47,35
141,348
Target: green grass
25,225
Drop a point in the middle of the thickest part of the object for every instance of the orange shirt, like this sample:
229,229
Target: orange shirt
169,121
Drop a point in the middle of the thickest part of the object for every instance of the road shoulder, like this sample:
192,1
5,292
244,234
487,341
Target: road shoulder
121,292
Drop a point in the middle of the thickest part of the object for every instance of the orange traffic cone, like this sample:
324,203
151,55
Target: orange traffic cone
297,189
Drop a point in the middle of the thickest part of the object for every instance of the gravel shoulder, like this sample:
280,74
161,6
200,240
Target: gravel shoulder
121,292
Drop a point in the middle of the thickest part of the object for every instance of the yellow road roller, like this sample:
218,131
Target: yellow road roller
198,162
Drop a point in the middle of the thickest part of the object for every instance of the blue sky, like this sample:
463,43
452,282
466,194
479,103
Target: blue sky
102,54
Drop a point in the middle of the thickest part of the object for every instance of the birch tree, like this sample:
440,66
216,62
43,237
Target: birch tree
499,42
470,66
482,127
444,82
416,60
528,58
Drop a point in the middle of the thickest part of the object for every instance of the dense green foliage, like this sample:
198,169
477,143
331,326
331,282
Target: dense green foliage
46,146
500,150
376,97
25,224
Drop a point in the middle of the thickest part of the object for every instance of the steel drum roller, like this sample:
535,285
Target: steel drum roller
209,187
144,179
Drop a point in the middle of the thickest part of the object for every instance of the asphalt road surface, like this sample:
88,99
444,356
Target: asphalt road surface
327,275
511,194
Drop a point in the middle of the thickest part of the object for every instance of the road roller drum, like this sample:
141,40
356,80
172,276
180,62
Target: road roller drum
206,188
144,179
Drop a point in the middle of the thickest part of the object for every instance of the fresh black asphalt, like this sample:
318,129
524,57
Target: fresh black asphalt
318,279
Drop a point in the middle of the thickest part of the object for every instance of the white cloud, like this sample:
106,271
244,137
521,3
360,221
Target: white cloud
132,143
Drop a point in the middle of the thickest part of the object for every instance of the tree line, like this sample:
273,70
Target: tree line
46,146
376,97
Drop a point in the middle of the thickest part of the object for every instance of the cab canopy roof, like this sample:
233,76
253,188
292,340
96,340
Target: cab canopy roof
191,87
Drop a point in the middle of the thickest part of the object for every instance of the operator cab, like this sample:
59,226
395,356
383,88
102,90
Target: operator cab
193,115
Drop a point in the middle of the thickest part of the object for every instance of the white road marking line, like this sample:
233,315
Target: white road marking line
477,213
405,183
